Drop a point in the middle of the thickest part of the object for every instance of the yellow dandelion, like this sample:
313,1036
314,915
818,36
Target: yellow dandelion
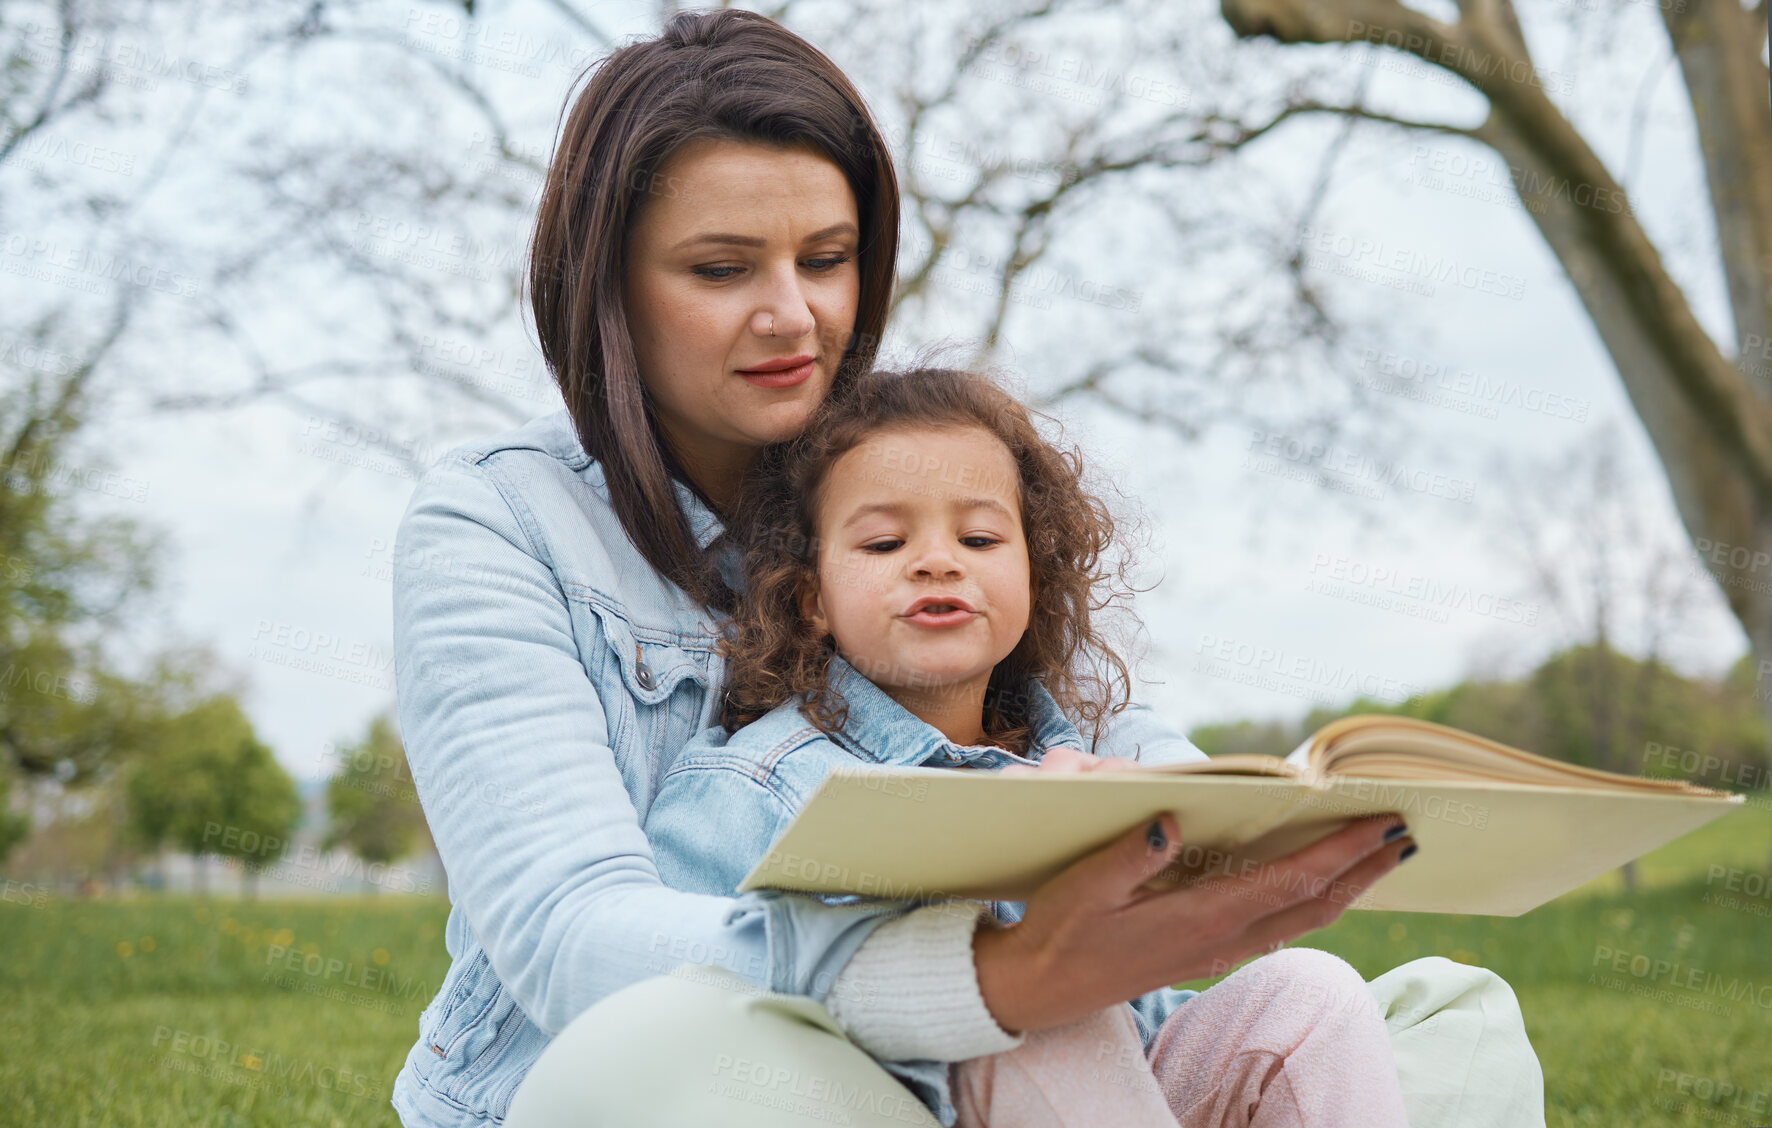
125,949
284,937
380,956
1399,931
147,943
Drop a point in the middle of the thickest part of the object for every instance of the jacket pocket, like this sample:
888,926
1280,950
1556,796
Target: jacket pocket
655,689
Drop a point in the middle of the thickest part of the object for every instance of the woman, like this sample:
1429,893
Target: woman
714,252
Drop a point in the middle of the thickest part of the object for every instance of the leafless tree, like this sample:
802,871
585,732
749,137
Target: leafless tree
1705,403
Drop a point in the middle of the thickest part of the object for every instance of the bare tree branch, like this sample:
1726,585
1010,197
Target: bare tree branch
48,109
583,22
1525,126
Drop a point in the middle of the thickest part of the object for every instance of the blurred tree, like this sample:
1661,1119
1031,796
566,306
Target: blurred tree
373,805
209,787
1587,704
14,827
1261,738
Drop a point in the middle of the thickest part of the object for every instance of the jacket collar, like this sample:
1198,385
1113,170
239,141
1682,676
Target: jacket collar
703,524
881,730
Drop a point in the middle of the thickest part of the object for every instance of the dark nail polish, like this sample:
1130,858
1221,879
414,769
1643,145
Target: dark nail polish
1408,852
1155,835
1396,832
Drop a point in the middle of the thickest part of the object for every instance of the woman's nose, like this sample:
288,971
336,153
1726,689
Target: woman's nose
784,313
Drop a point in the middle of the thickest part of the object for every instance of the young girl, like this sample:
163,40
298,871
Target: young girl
919,574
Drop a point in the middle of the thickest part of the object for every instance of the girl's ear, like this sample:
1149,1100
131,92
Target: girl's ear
812,606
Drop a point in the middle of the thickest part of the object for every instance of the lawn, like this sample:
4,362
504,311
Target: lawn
183,1011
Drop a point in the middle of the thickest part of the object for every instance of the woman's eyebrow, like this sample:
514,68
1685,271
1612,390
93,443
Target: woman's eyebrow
725,238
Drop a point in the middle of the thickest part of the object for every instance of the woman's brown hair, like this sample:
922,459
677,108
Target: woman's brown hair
773,655
729,74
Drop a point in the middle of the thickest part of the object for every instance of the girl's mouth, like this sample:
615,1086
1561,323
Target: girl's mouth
941,615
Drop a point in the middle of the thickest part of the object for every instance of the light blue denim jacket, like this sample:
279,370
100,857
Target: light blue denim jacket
729,797
548,678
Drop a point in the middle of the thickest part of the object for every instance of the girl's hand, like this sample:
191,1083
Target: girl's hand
1094,936
1064,758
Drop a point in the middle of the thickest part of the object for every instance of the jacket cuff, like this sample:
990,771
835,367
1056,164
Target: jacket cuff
911,990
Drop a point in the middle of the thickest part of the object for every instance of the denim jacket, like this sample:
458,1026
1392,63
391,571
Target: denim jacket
548,678
729,797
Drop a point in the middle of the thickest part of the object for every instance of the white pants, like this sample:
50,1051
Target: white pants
665,1053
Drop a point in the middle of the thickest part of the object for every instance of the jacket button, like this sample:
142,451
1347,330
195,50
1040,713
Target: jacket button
642,672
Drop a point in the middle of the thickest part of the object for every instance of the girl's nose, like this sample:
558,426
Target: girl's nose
936,560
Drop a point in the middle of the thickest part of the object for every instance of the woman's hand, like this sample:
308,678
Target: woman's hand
1093,936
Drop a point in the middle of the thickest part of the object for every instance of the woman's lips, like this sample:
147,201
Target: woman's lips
781,378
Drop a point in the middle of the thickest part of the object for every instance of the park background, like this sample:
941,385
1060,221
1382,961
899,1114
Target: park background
1426,344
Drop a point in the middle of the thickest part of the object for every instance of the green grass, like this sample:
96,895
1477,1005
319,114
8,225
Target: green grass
157,1012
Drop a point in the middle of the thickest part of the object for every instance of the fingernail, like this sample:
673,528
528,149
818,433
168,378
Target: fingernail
1408,852
1155,835
1396,832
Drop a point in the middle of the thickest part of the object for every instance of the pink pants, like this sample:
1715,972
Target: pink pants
1294,1039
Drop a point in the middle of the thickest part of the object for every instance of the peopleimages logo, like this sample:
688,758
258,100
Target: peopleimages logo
1425,589
1409,263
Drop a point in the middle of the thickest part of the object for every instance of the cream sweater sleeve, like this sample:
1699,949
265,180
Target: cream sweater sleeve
911,989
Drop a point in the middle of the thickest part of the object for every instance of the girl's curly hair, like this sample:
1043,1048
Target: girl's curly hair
773,655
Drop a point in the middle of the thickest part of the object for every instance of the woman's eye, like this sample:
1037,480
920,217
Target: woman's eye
721,273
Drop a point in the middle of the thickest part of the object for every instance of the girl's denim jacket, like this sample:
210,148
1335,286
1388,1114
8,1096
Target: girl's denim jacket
548,680
729,797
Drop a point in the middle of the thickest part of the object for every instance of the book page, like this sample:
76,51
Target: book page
1379,746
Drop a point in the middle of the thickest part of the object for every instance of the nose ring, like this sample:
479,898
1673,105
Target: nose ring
772,325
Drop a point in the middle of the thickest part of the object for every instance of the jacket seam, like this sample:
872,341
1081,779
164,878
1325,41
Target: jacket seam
469,983
801,737
473,1023
522,512
771,784
598,599
492,1055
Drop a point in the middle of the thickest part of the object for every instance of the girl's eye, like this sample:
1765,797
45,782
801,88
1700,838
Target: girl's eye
988,541
885,546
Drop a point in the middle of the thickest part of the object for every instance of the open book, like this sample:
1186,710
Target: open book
1501,831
